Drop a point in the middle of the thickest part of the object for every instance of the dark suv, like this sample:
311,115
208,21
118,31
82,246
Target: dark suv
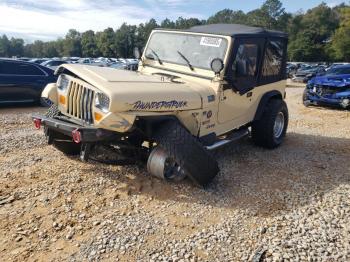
23,82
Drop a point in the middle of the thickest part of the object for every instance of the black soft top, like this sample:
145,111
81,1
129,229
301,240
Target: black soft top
235,30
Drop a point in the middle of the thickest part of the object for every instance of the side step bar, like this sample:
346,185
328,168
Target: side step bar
229,139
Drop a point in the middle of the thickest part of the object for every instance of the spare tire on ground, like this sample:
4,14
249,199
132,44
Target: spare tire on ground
187,151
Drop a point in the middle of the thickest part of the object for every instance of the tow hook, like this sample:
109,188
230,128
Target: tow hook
76,135
37,123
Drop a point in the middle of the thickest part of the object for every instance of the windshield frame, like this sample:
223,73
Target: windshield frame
184,66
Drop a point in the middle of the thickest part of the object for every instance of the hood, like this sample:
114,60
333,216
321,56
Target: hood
332,81
133,91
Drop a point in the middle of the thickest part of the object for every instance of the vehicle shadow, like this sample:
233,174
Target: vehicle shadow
261,181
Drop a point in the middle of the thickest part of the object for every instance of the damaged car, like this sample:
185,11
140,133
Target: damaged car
332,88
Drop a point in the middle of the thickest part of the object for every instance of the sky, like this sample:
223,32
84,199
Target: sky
49,19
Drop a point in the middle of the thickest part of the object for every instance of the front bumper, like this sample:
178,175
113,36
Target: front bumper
87,134
343,101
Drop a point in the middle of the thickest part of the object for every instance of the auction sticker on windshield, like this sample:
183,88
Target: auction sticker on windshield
211,41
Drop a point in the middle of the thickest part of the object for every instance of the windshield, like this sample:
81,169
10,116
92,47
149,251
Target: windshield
186,49
339,71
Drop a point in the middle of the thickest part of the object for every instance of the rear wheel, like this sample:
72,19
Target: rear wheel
186,153
270,130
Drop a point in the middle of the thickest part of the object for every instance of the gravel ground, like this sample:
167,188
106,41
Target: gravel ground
291,204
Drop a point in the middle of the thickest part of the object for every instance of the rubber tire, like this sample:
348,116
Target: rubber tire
262,130
187,151
64,143
306,102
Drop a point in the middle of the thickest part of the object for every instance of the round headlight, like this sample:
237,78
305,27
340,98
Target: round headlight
62,83
217,65
102,102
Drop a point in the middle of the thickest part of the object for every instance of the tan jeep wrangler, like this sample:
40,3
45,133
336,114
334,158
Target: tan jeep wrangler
195,91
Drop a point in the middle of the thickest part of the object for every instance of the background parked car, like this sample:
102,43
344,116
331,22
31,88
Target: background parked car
23,82
118,65
53,64
305,74
331,88
38,60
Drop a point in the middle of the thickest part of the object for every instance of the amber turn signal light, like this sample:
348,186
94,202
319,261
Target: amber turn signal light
98,116
62,99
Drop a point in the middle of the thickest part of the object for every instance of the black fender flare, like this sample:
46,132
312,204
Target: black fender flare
149,124
274,94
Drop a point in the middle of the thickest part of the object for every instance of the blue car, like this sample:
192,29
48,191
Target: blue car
331,88
23,82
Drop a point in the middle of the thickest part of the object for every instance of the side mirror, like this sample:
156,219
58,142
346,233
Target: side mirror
217,65
137,53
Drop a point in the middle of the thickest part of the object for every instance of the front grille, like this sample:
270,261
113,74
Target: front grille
80,102
324,89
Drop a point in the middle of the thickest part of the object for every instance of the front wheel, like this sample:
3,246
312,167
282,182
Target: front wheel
270,130
185,153
306,101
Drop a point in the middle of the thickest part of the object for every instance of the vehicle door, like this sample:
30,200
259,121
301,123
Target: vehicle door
242,77
20,82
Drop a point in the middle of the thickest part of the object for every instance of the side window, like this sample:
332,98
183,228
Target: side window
273,60
14,68
8,68
245,63
30,70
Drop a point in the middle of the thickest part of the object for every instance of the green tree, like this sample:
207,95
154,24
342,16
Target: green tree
271,15
126,39
341,39
5,46
228,16
183,23
89,45
50,49
106,43
72,43
16,47
310,33
167,23
37,48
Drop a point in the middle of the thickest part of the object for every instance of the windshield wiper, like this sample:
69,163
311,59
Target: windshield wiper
187,61
157,56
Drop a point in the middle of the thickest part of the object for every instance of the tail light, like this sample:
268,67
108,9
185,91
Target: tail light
37,123
76,135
